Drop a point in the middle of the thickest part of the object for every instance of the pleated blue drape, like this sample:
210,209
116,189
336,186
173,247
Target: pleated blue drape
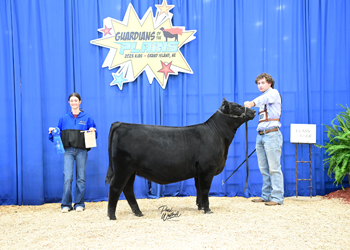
46,55
8,148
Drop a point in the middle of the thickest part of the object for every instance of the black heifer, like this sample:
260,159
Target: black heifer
171,154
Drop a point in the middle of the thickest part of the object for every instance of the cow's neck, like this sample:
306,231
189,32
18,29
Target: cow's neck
224,126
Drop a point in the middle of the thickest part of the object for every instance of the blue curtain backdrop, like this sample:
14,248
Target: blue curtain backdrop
45,54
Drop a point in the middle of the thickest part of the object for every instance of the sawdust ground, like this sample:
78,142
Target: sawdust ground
237,223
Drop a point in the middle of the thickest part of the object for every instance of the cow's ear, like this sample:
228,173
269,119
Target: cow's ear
225,102
225,106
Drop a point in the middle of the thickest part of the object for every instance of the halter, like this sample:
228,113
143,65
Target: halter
243,115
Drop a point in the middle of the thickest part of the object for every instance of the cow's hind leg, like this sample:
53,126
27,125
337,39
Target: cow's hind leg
130,196
115,189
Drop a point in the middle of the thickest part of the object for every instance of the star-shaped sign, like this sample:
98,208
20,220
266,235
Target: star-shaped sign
166,69
143,45
105,31
164,8
118,80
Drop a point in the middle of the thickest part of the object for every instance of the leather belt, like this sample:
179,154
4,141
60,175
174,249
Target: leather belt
267,131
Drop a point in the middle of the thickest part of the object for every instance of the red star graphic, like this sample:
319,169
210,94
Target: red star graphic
106,31
166,69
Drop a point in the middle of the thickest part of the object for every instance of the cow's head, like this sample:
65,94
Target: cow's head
235,110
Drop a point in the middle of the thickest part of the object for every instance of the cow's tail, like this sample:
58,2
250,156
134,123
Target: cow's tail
110,172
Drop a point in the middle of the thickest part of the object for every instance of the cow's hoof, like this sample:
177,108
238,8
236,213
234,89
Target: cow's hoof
200,208
111,217
138,214
208,211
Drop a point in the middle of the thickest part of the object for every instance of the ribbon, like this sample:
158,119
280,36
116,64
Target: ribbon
57,140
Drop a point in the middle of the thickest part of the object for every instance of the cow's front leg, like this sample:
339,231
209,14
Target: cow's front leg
204,185
199,196
130,196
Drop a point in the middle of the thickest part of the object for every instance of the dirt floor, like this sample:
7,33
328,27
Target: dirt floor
237,223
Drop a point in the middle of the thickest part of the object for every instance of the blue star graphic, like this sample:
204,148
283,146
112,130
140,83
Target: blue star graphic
118,80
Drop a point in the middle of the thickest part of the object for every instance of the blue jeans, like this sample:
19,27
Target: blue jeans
80,156
268,150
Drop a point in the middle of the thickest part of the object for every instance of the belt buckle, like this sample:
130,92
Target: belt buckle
263,132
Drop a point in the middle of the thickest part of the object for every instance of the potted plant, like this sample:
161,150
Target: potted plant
338,147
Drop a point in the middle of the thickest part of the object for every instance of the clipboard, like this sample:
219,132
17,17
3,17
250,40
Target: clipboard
90,139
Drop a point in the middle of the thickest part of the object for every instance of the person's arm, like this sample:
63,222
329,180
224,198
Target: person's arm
267,98
91,125
249,104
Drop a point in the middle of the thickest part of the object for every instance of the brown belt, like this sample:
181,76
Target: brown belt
267,131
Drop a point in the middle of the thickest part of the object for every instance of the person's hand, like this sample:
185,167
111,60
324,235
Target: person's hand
92,129
249,104
51,129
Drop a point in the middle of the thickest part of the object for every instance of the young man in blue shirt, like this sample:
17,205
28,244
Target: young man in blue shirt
269,140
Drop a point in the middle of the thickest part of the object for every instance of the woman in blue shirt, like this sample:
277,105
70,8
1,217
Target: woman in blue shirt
71,125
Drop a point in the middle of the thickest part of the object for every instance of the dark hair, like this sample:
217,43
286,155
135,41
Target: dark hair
268,78
74,94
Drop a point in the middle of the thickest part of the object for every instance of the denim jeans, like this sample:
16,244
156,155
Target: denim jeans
80,156
268,150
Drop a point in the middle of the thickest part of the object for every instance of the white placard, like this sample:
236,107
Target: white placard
303,133
90,139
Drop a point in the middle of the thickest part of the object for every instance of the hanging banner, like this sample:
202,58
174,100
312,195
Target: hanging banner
151,44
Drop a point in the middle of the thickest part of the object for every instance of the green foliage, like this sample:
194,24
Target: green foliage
338,147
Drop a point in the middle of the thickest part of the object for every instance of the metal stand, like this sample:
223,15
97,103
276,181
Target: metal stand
296,169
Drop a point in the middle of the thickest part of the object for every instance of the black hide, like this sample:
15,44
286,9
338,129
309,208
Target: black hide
171,154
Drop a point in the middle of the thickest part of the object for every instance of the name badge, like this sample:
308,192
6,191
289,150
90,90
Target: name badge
262,114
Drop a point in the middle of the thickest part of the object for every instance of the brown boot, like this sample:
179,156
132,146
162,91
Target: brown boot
258,200
272,203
